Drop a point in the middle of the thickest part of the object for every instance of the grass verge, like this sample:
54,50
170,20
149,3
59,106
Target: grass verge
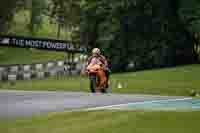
172,81
106,122
28,56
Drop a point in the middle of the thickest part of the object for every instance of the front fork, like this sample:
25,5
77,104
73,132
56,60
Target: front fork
92,78
93,85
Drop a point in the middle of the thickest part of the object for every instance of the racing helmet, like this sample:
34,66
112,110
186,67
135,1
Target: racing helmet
96,51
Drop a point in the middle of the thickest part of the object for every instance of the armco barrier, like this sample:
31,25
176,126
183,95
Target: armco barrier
37,70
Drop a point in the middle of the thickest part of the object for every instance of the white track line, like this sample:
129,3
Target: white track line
135,103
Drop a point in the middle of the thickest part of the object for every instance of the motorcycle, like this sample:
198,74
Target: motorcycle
98,78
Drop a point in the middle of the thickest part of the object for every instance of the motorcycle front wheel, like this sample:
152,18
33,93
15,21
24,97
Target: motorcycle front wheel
92,78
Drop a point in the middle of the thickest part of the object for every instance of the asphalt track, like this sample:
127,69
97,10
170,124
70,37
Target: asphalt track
27,103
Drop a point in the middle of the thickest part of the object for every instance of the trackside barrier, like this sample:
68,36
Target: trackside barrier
37,70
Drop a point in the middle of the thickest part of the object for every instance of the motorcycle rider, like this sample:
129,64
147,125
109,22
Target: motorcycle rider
98,58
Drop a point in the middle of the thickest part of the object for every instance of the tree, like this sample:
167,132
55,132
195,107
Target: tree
66,13
37,9
7,9
189,12
147,32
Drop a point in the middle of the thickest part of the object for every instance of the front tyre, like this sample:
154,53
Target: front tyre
104,90
92,78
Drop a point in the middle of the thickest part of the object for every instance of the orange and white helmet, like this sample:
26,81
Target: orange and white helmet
96,51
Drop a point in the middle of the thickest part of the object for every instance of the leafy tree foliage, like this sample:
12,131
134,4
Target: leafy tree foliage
189,12
37,9
7,9
66,13
146,32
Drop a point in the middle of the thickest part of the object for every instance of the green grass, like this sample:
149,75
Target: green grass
171,81
106,122
28,56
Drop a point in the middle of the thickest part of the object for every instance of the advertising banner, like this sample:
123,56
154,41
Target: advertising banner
38,43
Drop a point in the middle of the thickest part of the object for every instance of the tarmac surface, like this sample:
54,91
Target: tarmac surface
27,103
